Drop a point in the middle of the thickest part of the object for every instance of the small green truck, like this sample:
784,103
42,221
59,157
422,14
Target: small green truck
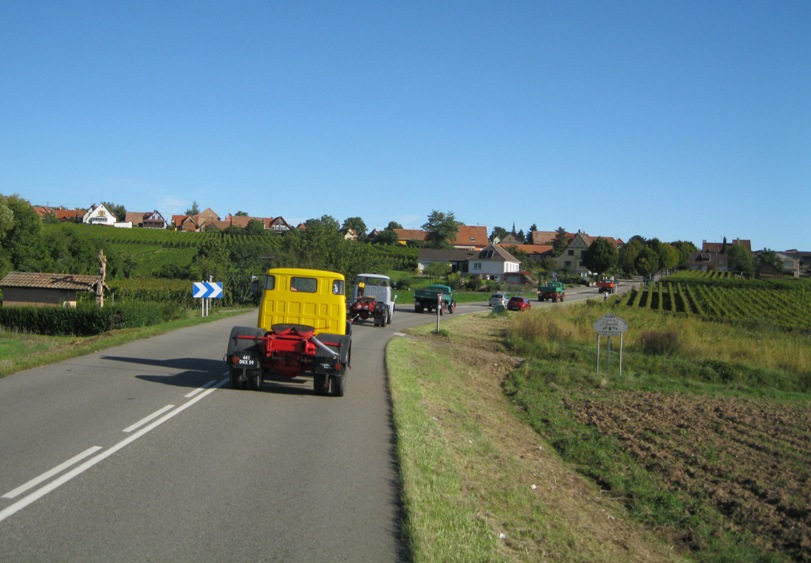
554,291
433,296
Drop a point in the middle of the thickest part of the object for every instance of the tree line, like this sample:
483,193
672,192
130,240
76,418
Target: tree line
25,247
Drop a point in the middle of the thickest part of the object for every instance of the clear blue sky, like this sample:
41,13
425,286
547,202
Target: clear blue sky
682,120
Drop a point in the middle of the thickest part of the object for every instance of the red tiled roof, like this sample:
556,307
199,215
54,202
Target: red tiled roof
531,248
471,236
410,234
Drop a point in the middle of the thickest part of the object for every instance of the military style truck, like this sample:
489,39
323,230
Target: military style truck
435,297
302,330
372,299
554,291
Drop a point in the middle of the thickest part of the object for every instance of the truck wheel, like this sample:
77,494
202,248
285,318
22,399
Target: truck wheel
388,316
452,307
418,308
337,383
237,381
255,379
562,295
320,384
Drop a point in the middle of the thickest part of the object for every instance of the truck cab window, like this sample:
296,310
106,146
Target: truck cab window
305,285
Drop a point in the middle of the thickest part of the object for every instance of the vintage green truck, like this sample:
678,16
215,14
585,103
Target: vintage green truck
433,296
554,291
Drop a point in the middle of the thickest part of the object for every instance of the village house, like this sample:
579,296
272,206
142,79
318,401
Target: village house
99,215
571,260
349,234
494,262
706,261
145,219
60,213
722,246
456,258
468,237
195,223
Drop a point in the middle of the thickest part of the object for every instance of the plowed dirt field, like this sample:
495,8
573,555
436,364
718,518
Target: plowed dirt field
750,458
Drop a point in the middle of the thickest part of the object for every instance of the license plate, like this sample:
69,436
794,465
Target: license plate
246,360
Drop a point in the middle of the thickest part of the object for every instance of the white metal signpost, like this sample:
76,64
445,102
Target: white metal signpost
206,291
609,325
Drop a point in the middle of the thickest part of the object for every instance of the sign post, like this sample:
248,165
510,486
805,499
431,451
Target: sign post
205,291
609,325
438,308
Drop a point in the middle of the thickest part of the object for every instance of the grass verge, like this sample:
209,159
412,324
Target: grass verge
479,484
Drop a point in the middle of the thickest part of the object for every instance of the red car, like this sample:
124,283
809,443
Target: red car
518,304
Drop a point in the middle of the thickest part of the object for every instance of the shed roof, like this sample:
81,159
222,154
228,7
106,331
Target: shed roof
75,282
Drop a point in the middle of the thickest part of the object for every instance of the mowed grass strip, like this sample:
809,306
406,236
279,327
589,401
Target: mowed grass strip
478,484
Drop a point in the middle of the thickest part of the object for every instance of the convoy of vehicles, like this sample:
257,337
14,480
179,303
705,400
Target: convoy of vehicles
304,326
302,330
372,299
553,291
435,297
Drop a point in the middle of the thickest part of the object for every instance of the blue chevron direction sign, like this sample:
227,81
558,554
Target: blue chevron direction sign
206,290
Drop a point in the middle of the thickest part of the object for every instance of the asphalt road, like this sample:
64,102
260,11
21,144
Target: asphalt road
143,452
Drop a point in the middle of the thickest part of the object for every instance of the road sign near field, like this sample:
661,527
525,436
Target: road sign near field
610,325
207,290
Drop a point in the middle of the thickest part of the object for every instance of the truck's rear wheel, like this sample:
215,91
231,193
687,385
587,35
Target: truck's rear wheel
320,384
452,307
237,379
388,316
255,379
562,295
337,383
418,308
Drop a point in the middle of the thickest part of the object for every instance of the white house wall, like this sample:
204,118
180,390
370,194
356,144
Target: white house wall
99,216
492,267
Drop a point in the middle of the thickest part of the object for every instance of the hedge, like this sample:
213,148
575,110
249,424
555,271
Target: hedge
86,319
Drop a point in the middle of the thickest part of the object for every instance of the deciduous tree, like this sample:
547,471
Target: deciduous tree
647,261
441,228
668,257
601,256
739,259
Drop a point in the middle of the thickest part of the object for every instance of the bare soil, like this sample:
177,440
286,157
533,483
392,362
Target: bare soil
749,458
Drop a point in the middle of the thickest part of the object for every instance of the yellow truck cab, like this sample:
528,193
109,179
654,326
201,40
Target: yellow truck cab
301,331
315,298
